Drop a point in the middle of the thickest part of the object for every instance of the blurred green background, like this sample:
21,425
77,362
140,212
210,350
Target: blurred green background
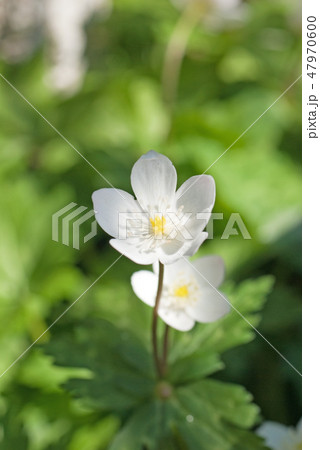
117,81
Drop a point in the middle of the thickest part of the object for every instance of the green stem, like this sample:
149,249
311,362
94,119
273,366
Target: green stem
176,48
165,349
157,362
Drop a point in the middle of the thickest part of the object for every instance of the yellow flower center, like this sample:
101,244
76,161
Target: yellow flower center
158,224
181,291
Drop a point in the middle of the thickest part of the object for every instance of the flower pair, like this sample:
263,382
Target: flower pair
164,225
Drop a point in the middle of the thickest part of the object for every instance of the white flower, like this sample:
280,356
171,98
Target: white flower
60,24
280,437
20,28
161,224
186,296
65,23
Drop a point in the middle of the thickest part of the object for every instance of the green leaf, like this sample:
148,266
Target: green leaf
122,369
206,415
40,372
95,436
145,429
228,401
12,433
194,366
216,416
232,330
237,327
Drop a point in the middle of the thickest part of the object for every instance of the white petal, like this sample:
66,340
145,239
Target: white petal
175,270
196,195
210,307
196,243
227,5
172,251
133,253
211,268
274,434
108,203
154,181
144,285
176,319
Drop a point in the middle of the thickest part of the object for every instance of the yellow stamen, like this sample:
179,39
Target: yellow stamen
158,224
181,291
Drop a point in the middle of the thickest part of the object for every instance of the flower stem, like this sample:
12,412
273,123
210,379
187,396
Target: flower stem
177,47
157,362
165,349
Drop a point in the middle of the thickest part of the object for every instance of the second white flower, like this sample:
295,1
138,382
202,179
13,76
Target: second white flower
189,292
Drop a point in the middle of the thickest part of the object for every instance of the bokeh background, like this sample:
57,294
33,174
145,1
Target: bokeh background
117,79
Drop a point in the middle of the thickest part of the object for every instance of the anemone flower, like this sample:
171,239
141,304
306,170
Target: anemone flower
161,224
189,291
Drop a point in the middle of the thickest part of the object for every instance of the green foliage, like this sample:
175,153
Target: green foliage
234,329
206,415
119,377
12,434
95,436
121,367
89,383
